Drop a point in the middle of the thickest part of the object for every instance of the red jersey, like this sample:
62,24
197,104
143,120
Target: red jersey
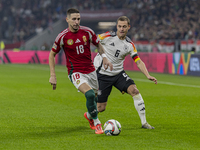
76,46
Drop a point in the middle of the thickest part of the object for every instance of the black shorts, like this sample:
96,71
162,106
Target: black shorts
121,81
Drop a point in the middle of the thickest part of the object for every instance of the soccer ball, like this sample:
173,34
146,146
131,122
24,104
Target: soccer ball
112,127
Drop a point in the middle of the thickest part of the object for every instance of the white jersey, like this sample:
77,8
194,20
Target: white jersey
116,50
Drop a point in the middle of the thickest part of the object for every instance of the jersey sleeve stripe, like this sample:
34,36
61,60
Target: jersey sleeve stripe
134,49
104,35
61,34
129,40
90,35
86,28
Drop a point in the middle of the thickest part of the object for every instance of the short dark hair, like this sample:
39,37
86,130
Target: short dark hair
124,18
72,11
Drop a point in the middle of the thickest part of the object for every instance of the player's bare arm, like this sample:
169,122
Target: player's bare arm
106,62
143,69
52,79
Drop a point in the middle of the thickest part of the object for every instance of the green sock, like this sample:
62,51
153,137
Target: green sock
91,104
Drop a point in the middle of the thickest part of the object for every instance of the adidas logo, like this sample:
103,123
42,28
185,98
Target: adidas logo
142,109
140,104
112,44
77,41
94,111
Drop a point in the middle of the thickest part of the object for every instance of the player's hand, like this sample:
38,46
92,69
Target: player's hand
53,81
153,79
107,63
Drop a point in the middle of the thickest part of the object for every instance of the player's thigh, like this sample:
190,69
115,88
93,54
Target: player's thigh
105,87
84,87
101,106
123,82
93,81
80,81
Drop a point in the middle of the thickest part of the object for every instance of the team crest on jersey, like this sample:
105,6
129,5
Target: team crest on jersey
84,38
125,47
77,82
54,46
70,42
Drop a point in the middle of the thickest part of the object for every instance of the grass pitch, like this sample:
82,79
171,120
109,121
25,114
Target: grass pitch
33,116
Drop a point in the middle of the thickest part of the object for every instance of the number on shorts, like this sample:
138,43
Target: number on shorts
125,75
76,76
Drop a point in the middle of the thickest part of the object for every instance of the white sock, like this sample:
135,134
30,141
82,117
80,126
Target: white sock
140,107
96,121
89,116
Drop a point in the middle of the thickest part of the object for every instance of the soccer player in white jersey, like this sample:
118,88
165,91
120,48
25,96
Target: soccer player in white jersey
117,46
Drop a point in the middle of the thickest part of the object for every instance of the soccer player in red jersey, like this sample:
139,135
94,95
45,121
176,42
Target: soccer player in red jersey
75,41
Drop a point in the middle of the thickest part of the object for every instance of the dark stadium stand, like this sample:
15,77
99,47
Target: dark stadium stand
150,19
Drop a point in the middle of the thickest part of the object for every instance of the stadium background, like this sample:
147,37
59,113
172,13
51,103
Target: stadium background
35,117
166,33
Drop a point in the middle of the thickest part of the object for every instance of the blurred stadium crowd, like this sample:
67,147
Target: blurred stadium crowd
150,19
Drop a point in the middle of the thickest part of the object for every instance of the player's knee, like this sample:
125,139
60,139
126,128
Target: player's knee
90,95
132,90
101,108
136,91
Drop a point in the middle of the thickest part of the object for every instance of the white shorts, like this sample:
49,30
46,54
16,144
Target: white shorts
78,78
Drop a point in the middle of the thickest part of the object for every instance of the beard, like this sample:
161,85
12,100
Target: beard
75,27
